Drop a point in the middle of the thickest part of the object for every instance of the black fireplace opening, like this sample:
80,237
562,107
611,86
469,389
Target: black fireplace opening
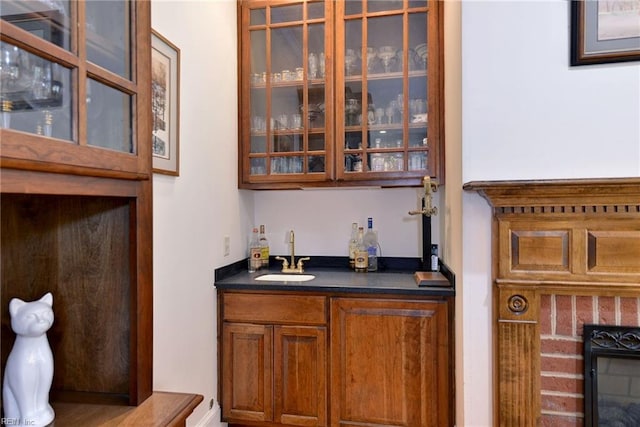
611,376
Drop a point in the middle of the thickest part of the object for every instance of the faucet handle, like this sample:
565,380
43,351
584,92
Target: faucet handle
285,263
300,260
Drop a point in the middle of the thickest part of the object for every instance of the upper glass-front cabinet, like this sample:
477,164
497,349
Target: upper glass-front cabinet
340,92
287,117
74,79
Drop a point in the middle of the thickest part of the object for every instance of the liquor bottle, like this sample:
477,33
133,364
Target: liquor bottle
362,261
371,243
254,260
434,258
264,248
353,244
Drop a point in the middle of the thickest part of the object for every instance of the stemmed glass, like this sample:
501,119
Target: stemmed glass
386,53
371,56
349,61
379,115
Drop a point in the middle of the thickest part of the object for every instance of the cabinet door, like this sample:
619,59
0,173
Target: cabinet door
74,87
389,363
389,88
300,373
247,372
286,126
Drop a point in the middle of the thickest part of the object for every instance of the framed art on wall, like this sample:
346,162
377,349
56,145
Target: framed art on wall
604,31
165,105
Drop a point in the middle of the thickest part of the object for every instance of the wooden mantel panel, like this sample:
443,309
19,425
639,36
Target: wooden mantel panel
565,237
540,250
613,251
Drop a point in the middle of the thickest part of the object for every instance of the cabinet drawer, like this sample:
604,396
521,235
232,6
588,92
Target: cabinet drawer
298,309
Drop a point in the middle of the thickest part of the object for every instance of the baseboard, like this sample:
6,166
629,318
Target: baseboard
211,418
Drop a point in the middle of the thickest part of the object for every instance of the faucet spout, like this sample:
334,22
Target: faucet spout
292,243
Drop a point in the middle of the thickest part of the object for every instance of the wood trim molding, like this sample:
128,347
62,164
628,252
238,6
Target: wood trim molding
562,192
569,237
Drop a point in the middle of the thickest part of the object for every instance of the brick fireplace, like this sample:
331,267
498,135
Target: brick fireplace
565,253
562,320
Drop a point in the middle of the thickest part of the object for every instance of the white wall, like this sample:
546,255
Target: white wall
528,115
194,211
523,114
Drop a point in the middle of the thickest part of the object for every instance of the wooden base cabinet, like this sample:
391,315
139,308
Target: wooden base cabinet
384,361
389,363
274,372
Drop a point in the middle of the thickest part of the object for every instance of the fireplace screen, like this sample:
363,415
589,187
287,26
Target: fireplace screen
612,376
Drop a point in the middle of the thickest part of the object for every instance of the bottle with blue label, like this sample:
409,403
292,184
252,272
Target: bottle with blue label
371,243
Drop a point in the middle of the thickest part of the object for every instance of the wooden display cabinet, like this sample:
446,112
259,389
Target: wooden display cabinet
75,131
340,93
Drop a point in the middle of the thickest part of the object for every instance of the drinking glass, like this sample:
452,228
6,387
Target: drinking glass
349,61
386,53
379,115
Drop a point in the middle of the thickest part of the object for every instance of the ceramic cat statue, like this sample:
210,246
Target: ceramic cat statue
29,370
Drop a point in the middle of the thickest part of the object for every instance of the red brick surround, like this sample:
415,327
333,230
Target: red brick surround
561,346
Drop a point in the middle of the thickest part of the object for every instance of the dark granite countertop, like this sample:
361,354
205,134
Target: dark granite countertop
338,280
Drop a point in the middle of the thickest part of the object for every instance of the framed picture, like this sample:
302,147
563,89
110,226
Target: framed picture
605,31
165,105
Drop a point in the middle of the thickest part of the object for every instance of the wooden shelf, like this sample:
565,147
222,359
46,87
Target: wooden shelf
161,409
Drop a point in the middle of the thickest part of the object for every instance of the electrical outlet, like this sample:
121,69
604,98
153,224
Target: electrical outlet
227,246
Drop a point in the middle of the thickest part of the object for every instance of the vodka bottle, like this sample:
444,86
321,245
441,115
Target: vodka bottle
353,244
361,262
434,258
254,261
264,248
371,243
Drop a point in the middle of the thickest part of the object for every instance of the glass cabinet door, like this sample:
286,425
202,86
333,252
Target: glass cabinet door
287,92
68,72
384,86
35,95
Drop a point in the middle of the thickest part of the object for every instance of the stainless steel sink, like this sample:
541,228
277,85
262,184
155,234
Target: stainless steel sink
286,277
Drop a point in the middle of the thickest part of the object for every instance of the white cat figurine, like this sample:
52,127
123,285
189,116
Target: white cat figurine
29,370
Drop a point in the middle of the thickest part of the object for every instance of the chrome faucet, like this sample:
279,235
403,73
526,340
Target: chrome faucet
288,267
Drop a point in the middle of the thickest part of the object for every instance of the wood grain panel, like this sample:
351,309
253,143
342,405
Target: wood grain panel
518,374
300,372
386,360
248,377
160,410
540,250
613,251
291,309
78,249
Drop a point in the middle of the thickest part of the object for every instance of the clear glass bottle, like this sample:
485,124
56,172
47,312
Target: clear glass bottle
371,243
264,248
254,260
353,245
361,261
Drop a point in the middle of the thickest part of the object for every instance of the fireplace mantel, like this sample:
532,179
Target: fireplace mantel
556,243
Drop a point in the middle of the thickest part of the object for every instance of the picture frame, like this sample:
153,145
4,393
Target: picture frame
165,105
605,31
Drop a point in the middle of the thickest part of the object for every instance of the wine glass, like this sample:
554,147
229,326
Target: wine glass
313,66
386,53
371,56
379,115
349,61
